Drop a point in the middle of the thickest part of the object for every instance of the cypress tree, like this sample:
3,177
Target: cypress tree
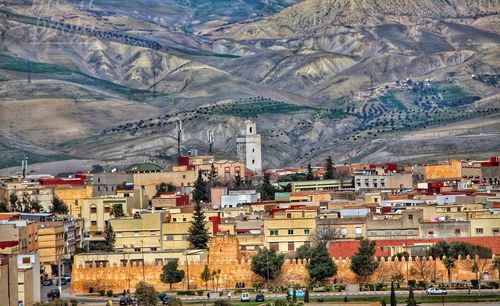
110,237
266,189
393,295
321,265
330,170
310,175
200,192
198,233
363,263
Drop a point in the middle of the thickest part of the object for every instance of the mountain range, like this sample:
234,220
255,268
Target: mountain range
370,80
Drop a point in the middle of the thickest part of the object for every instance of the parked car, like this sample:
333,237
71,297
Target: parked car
127,301
259,297
48,282
245,297
63,282
66,277
436,291
298,293
53,294
166,299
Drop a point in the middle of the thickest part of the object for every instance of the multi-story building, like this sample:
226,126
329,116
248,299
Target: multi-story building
226,170
342,228
319,185
8,280
370,179
490,171
96,211
287,230
482,225
51,246
73,197
180,176
444,229
23,231
405,224
29,278
160,231
33,190
248,147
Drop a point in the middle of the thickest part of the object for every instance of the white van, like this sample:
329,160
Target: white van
245,297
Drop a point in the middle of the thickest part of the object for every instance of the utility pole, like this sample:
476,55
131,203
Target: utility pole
179,138
142,251
187,269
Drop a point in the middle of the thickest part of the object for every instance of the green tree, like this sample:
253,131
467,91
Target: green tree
266,189
238,182
117,211
393,295
3,207
110,237
58,206
267,263
310,174
200,191
121,186
198,233
411,298
303,252
321,265
14,203
330,169
206,276
306,296
146,294
164,187
212,176
171,274
363,263
449,263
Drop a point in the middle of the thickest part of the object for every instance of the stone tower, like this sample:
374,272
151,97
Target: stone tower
248,147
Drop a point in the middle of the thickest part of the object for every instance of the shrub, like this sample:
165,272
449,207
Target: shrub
102,292
494,285
280,303
74,302
412,282
222,303
200,292
109,293
474,283
422,284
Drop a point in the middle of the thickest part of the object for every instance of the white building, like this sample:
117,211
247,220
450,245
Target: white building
236,197
248,147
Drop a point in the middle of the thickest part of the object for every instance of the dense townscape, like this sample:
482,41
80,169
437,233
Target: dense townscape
209,227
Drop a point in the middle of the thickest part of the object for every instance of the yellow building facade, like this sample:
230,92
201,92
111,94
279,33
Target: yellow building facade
290,229
73,197
51,245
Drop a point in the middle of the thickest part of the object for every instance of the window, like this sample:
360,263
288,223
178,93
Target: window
153,249
152,233
495,231
119,234
184,219
358,231
306,232
273,232
410,217
169,237
275,246
137,249
253,150
107,209
98,188
430,232
175,219
291,246
93,210
479,231
184,176
93,223
158,261
253,161
289,216
136,234
26,260
290,232
457,231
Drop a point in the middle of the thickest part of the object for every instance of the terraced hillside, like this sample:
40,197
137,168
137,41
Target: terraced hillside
358,80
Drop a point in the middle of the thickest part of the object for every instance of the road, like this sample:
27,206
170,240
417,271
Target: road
86,300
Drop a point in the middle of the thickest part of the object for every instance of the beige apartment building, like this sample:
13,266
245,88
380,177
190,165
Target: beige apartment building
73,197
23,231
35,191
8,280
181,176
160,231
96,211
485,225
288,230
51,246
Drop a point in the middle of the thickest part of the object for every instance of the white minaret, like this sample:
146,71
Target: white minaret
248,147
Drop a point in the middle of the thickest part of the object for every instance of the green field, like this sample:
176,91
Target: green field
11,156
252,107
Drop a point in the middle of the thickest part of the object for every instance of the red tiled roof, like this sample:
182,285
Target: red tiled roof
343,249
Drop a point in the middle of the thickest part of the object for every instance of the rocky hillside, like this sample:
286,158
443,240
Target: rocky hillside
321,77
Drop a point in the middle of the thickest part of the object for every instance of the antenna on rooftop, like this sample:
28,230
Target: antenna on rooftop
29,72
211,140
179,137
